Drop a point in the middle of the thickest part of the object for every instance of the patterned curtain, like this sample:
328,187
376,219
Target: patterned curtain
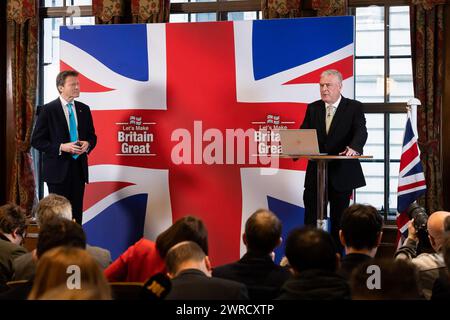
272,9
330,7
134,11
23,32
427,43
150,11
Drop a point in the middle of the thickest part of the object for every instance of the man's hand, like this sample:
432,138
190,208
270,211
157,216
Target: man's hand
412,233
84,146
349,152
71,147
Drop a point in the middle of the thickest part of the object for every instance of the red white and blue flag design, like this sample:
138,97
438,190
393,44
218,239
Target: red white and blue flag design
411,180
152,88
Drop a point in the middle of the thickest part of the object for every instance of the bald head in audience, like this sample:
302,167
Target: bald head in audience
187,255
436,231
262,232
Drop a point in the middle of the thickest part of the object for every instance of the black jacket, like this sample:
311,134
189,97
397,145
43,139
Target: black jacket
192,284
51,131
259,273
348,128
315,285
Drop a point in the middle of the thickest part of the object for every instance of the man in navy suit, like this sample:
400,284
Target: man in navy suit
65,133
341,130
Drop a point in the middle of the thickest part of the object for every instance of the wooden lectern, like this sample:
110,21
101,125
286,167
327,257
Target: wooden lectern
322,180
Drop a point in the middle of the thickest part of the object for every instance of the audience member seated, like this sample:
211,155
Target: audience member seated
49,207
190,270
360,234
441,287
312,255
430,265
256,268
69,266
54,233
13,224
385,279
146,258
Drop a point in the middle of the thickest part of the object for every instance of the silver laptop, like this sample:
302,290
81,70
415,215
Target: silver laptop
299,142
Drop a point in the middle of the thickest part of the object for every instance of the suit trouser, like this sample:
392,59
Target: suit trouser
338,200
72,188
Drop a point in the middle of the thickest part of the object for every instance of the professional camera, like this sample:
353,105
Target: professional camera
420,217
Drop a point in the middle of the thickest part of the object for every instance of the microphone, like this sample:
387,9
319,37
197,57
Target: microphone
157,287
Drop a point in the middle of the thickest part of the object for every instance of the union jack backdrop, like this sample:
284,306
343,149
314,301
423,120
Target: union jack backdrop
164,91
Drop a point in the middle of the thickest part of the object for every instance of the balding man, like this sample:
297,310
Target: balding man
256,268
190,271
430,265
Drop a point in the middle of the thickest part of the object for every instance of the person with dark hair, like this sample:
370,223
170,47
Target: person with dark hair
256,268
396,280
55,233
13,224
65,133
146,258
312,256
341,130
360,234
190,270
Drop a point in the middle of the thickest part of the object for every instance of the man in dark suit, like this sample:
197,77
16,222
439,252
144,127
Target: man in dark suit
190,270
65,133
256,268
360,234
341,130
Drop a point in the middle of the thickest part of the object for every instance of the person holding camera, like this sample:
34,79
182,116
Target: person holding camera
430,265
65,133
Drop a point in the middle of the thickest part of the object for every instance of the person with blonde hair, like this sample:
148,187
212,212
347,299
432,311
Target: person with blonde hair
61,266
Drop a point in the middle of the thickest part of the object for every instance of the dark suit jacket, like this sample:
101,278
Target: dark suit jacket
348,128
350,262
259,273
51,131
8,252
192,284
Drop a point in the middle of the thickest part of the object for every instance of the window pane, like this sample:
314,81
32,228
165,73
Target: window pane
394,168
399,31
397,124
53,3
80,2
369,80
375,139
236,16
370,31
176,17
202,17
373,192
51,57
400,80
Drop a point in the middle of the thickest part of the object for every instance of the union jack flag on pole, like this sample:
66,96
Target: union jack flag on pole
411,180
